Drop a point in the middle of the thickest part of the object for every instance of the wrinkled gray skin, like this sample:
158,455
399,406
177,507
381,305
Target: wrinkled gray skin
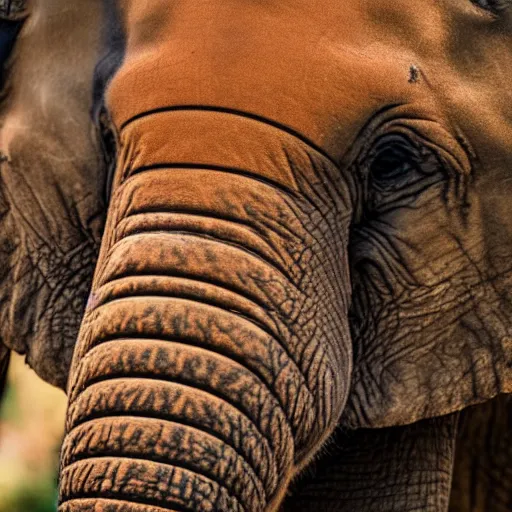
51,194
425,346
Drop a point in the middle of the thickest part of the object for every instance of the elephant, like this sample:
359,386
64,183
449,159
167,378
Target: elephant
265,249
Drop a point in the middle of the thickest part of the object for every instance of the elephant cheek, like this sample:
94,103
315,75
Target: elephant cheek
213,360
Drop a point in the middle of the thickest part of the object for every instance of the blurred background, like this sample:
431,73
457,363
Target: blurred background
31,430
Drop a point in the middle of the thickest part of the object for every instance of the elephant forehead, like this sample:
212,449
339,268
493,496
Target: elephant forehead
322,68
321,71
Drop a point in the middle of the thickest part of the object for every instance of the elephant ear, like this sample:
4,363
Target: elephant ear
12,16
51,180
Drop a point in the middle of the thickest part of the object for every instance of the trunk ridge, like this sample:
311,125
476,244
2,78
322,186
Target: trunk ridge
208,368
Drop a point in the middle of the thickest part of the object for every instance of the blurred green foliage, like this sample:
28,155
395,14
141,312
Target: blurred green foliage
31,428
38,497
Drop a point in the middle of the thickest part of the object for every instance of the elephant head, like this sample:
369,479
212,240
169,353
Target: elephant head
309,226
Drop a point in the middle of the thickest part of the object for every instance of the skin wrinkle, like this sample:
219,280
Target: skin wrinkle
168,445
482,468
241,446
253,365
51,162
296,409
195,223
191,379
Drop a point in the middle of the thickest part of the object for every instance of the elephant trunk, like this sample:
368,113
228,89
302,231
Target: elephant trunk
214,357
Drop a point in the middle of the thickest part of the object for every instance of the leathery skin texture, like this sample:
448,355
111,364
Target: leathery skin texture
267,181
482,473
360,470
228,338
305,269
51,179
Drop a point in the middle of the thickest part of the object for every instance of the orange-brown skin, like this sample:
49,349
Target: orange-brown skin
216,355
323,69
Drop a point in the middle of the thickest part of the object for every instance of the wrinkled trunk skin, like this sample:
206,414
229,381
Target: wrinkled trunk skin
214,356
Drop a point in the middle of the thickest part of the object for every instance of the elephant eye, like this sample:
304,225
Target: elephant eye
398,170
392,165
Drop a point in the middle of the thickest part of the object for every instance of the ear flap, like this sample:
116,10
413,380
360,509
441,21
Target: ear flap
52,178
